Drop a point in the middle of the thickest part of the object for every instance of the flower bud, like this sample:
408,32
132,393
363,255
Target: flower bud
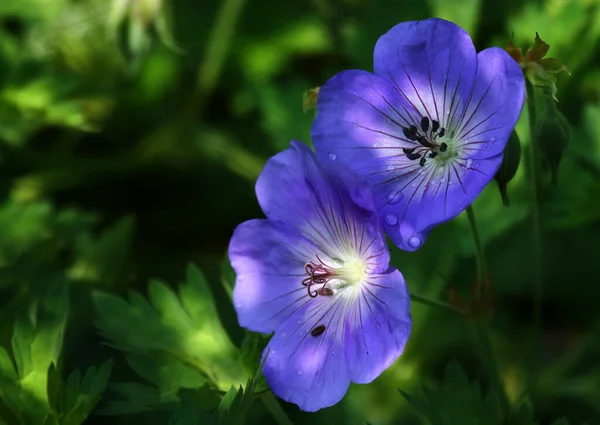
509,166
553,133
309,99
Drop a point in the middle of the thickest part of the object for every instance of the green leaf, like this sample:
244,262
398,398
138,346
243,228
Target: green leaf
187,413
561,421
180,331
103,260
136,398
522,414
73,400
455,401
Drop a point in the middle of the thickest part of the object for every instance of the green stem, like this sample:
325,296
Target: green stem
275,409
479,253
491,364
219,42
534,165
436,304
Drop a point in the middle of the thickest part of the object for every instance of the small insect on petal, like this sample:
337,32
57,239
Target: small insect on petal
318,330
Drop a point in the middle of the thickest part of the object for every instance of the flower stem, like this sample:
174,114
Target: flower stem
534,164
275,409
479,253
436,304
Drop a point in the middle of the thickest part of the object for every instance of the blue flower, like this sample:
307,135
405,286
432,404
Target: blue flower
317,273
427,130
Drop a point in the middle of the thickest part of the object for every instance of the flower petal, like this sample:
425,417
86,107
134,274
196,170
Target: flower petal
428,197
268,258
308,370
377,326
329,206
494,105
432,62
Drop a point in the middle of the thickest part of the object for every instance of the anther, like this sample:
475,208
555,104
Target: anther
425,124
422,161
423,142
433,154
413,156
409,134
408,150
318,330
443,147
442,132
434,126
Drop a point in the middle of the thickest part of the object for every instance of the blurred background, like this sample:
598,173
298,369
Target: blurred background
131,135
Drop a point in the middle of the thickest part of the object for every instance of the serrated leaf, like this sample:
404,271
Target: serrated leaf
251,350
135,398
37,342
103,260
183,326
455,401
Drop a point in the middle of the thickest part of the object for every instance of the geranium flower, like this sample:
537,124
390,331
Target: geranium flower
316,273
427,129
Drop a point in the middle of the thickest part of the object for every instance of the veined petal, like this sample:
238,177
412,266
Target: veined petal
331,207
268,258
377,326
431,62
427,131
305,368
493,106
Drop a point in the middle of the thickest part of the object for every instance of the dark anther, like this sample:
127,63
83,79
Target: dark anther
413,156
413,129
442,132
434,126
422,161
408,150
409,134
433,154
443,147
423,142
318,330
424,124
326,291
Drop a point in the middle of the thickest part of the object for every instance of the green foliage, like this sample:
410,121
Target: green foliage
522,414
175,339
455,401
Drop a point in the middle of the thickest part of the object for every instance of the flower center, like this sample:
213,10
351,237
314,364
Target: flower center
429,146
323,278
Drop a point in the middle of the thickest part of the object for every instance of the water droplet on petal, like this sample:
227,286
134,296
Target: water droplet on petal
390,167
394,197
238,304
469,163
283,334
486,146
414,242
391,219
299,372
332,156
389,121
493,139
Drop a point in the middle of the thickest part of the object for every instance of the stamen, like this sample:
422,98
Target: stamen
409,134
422,161
425,124
442,132
423,141
443,147
318,330
433,155
413,156
434,126
408,150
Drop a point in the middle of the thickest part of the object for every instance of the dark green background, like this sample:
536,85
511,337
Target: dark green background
130,147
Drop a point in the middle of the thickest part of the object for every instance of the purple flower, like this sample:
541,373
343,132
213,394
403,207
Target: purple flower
427,130
317,273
